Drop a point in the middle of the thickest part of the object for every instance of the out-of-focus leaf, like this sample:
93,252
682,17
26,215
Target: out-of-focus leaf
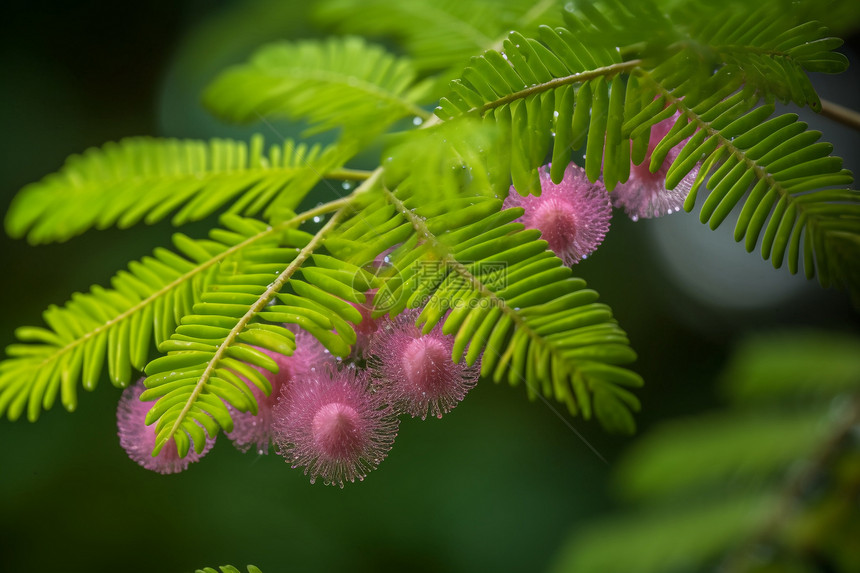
676,539
697,452
793,364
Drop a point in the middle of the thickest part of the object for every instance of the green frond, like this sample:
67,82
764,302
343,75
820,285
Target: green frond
439,34
147,302
529,92
561,93
766,45
788,175
148,179
245,307
339,82
513,305
227,569
572,86
448,159
770,50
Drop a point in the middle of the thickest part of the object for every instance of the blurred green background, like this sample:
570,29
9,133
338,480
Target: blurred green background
498,484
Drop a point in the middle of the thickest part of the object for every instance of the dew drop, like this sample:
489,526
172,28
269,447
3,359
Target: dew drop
317,219
417,120
347,185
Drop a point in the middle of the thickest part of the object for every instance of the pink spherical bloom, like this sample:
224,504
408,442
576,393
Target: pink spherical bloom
573,216
255,431
644,195
330,423
414,372
138,439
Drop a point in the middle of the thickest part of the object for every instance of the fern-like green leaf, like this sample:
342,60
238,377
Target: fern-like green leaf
448,159
246,307
768,47
119,324
528,92
777,160
508,301
569,91
568,87
340,82
439,34
148,179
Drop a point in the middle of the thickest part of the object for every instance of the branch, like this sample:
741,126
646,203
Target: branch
841,114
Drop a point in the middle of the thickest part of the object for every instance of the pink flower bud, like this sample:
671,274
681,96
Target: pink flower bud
415,373
573,216
138,439
644,195
255,431
331,424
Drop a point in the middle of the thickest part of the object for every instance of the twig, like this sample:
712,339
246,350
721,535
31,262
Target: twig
843,115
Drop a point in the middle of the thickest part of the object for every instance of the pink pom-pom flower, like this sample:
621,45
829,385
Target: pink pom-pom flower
255,431
573,216
138,439
414,372
330,423
644,195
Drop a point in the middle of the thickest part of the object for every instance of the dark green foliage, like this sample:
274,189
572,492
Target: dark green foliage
748,488
591,75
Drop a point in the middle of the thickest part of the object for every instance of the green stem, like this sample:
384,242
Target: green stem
347,174
606,71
